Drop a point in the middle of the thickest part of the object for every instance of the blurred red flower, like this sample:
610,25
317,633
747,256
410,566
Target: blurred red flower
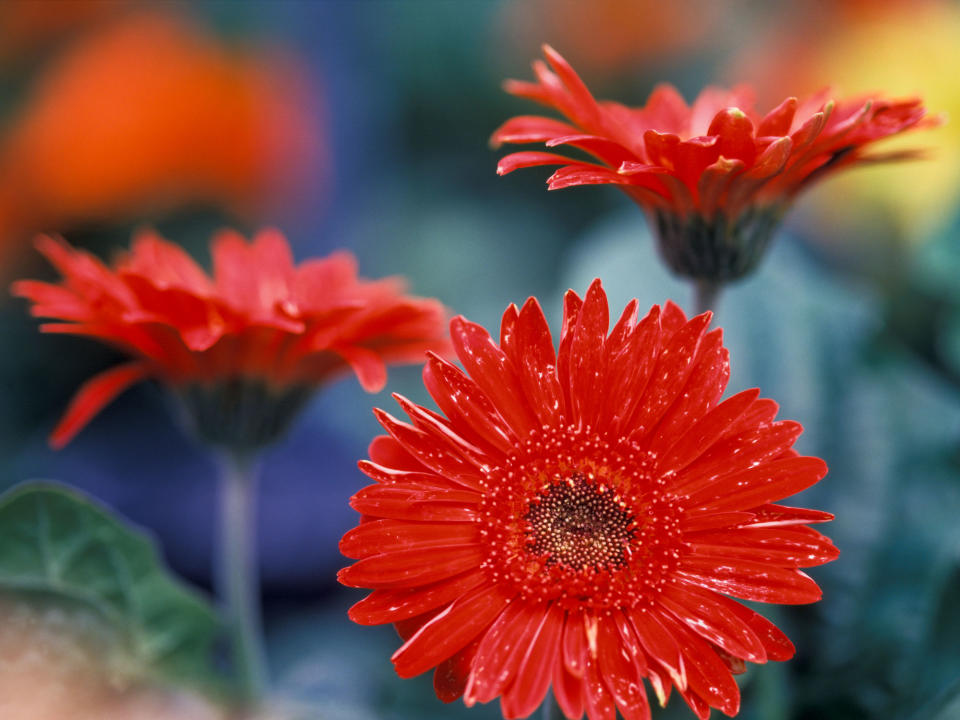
715,177
148,113
243,349
580,517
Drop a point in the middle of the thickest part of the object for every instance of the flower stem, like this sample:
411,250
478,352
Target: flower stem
237,572
550,709
706,293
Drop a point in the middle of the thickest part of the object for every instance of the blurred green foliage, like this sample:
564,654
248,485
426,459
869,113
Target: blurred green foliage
59,545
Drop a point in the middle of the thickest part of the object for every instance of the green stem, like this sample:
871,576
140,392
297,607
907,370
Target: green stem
706,293
237,572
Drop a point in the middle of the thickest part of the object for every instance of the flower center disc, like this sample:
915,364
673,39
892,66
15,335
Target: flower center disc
580,519
581,525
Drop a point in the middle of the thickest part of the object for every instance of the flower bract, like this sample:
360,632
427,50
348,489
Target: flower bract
583,518
714,177
242,349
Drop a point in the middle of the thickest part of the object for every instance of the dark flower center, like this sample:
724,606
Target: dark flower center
580,524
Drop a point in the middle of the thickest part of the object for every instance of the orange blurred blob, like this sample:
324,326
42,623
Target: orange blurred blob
608,35
146,114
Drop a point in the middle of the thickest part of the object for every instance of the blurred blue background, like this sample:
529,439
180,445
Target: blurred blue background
384,110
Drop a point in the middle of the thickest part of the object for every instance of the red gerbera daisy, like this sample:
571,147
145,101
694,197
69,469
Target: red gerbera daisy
244,349
715,177
579,518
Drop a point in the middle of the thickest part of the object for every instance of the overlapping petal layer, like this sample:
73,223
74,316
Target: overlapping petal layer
712,174
260,319
717,154
581,518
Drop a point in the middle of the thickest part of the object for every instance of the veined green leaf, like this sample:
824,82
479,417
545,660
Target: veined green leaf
55,541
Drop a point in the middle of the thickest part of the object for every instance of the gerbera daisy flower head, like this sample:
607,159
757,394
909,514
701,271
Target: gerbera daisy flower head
714,177
242,350
583,517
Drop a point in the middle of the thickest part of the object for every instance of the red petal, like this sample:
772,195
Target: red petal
670,374
567,689
407,568
396,604
533,676
421,478
707,431
383,536
777,645
53,301
619,672
486,363
580,97
699,520
707,676
587,369
574,174
659,644
777,122
772,160
518,160
629,371
501,651
529,90
537,365
738,453
660,682
368,366
750,580
469,410
575,644
672,318
440,428
763,483
617,340
166,264
450,677
782,516
95,394
432,451
508,332
571,311
735,135
761,412
700,707
715,181
710,616
416,504
530,128
796,546
384,450
703,390
450,631
667,109
599,701
810,129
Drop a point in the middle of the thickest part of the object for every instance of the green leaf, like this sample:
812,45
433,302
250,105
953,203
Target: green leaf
56,542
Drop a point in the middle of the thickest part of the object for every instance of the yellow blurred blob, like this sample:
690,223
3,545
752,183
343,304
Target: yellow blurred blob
895,48
909,51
